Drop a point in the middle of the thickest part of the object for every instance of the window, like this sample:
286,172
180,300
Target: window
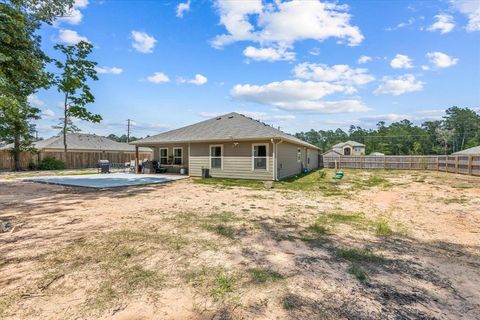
260,156
299,155
216,155
177,156
163,156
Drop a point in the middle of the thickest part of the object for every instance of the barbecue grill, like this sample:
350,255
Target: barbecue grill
104,166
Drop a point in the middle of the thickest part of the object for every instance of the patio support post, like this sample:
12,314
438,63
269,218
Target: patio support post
136,160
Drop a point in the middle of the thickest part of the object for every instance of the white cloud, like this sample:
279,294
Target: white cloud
314,51
158,77
408,23
400,85
281,24
444,23
70,37
35,101
364,59
340,73
182,8
425,67
297,95
268,54
401,62
109,70
48,114
143,42
470,8
198,80
73,15
441,60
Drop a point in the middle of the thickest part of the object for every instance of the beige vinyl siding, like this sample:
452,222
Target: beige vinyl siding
156,152
312,154
237,160
288,164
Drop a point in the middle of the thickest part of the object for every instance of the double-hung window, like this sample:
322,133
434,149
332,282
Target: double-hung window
260,156
216,154
177,155
164,156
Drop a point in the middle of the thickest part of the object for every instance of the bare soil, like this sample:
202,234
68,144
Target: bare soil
408,250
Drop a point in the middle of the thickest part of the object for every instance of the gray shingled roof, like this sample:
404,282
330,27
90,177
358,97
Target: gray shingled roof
231,126
469,151
82,141
349,142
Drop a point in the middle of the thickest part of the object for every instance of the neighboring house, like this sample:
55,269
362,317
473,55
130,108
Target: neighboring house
81,142
232,146
377,154
84,151
349,148
475,151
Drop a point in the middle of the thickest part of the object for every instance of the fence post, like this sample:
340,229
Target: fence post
470,165
456,164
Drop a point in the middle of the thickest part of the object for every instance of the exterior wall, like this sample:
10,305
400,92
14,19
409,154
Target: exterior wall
172,169
237,160
288,164
312,155
360,152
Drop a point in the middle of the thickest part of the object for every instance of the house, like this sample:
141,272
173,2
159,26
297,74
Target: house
84,151
349,148
81,142
232,146
475,151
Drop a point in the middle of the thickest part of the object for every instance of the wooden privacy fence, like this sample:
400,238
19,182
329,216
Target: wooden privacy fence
453,164
72,160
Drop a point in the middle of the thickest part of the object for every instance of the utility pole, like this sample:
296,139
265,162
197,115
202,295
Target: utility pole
128,130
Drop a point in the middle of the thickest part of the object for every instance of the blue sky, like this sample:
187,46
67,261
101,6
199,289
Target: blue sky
294,64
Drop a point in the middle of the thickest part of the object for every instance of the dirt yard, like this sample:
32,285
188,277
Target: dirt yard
379,245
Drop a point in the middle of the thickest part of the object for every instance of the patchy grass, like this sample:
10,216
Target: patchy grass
223,284
358,272
213,281
457,200
291,302
360,255
223,230
382,228
224,182
259,275
119,257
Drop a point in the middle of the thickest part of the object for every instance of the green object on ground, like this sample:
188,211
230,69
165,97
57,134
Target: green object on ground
338,175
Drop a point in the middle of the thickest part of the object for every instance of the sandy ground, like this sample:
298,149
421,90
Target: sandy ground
189,251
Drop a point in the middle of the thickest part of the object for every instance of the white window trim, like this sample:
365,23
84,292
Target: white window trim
253,156
210,156
160,155
181,158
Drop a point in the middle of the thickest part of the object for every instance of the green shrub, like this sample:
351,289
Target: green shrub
322,173
51,164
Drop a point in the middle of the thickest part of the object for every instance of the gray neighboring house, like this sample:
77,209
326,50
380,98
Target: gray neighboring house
232,146
82,142
475,151
349,148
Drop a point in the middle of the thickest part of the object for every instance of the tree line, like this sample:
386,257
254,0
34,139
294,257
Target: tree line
458,130
23,72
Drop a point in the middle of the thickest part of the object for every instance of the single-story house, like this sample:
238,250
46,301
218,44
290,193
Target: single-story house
232,146
349,148
83,151
81,142
475,151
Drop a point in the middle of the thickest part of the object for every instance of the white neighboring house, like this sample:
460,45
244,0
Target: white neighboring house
349,148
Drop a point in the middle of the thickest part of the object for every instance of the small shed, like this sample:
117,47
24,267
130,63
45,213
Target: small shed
474,151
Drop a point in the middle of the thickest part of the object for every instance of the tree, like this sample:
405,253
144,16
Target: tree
22,65
466,123
76,70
